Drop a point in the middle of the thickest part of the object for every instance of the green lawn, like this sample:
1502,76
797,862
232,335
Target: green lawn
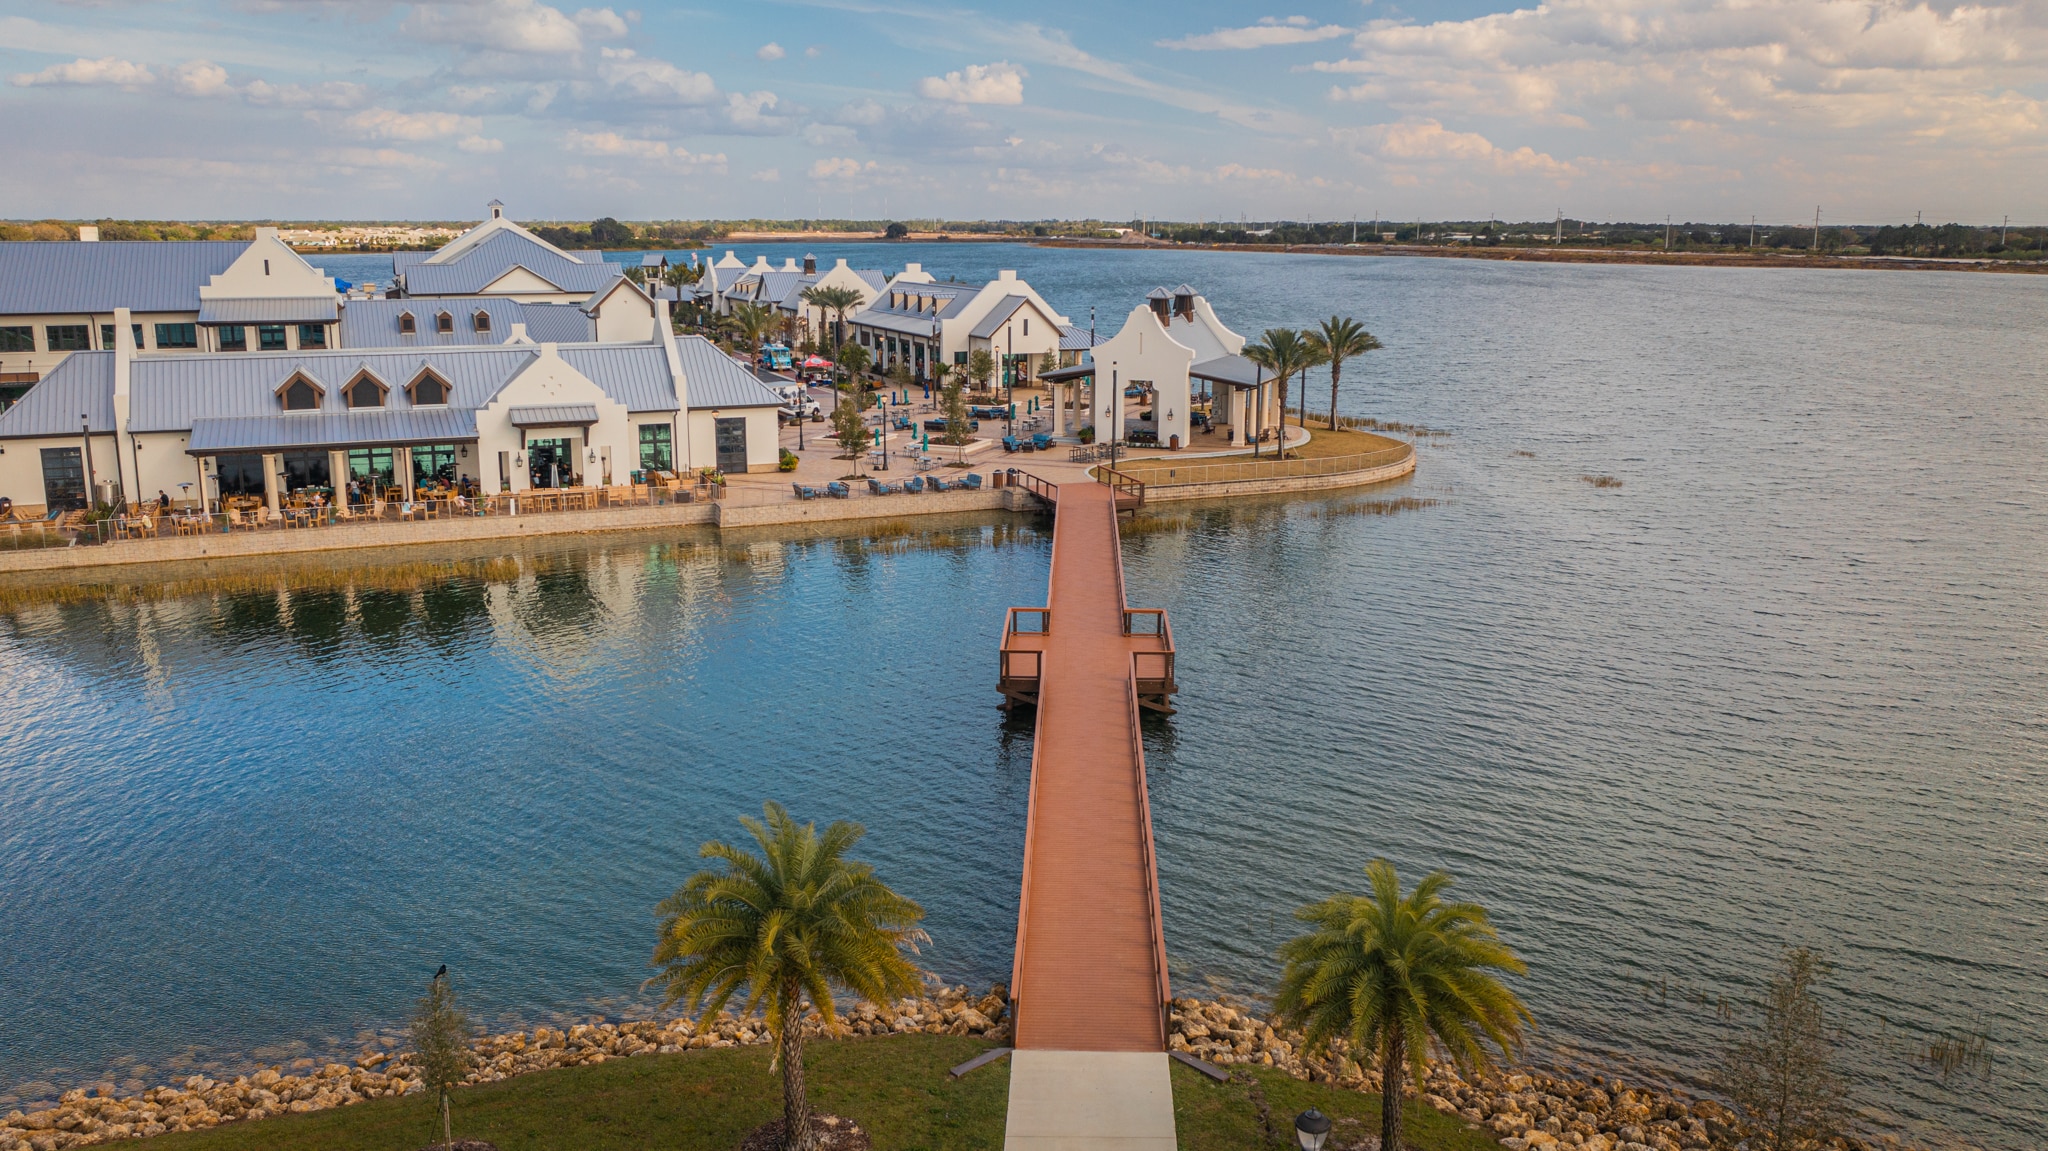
895,1087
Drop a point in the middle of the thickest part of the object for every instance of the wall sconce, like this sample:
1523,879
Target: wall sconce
1169,415
593,455
465,451
518,461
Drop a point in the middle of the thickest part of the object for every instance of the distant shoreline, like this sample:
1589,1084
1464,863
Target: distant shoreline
1743,259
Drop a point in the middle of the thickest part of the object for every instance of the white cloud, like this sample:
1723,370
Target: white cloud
753,112
840,168
646,80
601,23
813,52
770,51
768,175
612,144
998,83
106,70
1267,33
386,124
519,26
200,78
1428,142
332,94
480,144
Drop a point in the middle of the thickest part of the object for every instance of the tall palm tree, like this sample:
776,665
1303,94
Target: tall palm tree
1283,352
1389,972
836,300
1340,339
788,924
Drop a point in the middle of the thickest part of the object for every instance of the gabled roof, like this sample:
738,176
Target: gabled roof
484,264
1078,339
998,316
374,323
715,381
52,276
355,427
82,385
1234,370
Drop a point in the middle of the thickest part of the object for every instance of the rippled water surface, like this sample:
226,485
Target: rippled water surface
1784,685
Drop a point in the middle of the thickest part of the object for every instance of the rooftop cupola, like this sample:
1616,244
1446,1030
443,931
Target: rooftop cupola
810,264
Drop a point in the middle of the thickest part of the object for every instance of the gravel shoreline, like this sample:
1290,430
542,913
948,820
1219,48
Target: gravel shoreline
1526,1109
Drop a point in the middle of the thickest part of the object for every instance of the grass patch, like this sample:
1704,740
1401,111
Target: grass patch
895,1087
1322,444
1602,481
1233,1116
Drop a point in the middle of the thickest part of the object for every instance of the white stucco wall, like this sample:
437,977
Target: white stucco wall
549,379
1143,350
764,437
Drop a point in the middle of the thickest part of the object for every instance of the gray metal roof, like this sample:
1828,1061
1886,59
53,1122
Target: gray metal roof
910,323
1073,339
360,428
479,267
1235,370
654,260
374,323
83,384
997,317
553,415
45,277
715,381
277,310
1062,375
635,375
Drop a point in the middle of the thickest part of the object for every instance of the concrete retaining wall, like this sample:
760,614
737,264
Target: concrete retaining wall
872,508
1232,488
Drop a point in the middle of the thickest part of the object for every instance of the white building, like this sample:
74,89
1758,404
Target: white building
498,258
919,322
506,415
1167,344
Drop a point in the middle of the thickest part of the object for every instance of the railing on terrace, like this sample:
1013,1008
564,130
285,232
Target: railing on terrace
148,524
1129,489
1021,654
1168,474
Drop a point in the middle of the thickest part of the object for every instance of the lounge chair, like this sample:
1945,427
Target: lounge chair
236,521
877,487
1009,443
1041,442
914,485
805,491
940,485
837,490
971,481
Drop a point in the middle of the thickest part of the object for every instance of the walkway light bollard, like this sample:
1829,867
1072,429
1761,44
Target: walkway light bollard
1311,1127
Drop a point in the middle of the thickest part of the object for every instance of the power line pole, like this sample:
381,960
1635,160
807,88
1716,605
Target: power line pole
1667,232
1816,228
1559,238
1752,229
2002,229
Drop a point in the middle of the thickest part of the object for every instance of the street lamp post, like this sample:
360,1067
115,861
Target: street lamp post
1010,382
1311,1127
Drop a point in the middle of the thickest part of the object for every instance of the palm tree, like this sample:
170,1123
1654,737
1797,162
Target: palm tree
836,300
788,924
1283,352
754,322
1388,973
1339,339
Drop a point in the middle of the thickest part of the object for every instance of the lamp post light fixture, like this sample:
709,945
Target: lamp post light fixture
1311,1127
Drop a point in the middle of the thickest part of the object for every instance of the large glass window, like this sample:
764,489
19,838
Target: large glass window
312,335
234,338
177,336
433,463
657,448
373,468
69,337
270,337
63,478
239,475
307,470
18,339
107,336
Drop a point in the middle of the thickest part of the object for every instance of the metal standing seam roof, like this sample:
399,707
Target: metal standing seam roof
360,428
374,323
999,315
83,384
1073,339
1232,369
44,277
272,310
714,381
553,415
171,393
483,265
914,324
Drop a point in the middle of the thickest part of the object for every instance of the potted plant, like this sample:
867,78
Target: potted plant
787,461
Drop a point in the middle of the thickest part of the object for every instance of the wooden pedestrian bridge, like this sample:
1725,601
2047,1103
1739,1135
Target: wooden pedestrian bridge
1088,986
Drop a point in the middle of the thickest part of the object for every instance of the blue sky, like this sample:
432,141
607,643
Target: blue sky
1601,109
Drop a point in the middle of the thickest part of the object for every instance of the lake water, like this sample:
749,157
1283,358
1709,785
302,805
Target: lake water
1785,685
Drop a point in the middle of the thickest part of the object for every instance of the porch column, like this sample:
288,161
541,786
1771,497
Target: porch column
271,463
401,460
337,477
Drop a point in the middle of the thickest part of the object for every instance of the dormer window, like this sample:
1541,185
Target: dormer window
366,391
481,321
428,389
299,394
406,324
444,324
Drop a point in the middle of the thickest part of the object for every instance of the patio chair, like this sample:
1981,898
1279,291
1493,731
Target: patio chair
1009,443
914,485
837,490
939,484
408,510
1041,442
238,522
971,481
879,488
804,491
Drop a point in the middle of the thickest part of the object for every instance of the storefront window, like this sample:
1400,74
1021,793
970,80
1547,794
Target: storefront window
657,448
434,463
307,470
239,475
373,469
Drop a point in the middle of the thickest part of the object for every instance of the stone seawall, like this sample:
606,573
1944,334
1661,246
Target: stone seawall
1281,484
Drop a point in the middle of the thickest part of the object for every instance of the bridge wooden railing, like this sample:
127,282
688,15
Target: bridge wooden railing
1043,489
1151,866
1129,489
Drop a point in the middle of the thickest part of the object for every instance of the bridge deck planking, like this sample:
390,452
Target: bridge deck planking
1088,974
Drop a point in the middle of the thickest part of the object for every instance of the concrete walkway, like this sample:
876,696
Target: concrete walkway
1089,1101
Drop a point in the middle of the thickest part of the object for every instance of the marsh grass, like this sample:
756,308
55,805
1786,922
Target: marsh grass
1602,481
1382,507
1969,1052
400,578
